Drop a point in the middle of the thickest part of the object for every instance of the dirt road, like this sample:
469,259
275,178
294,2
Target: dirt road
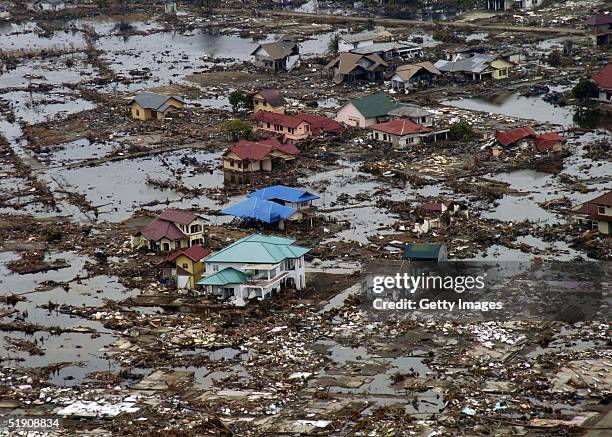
329,18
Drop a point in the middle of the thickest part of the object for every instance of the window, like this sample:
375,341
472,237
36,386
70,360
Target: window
137,112
268,125
215,268
601,210
195,228
185,266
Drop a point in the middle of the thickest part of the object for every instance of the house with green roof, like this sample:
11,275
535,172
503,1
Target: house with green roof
254,267
426,252
366,111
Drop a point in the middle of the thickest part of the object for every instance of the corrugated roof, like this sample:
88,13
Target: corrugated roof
273,98
546,141
423,251
226,276
284,193
178,216
259,249
381,47
158,229
249,150
374,105
599,19
361,36
280,119
254,208
194,253
406,110
399,127
277,50
512,136
319,124
604,77
346,62
154,101
474,64
406,72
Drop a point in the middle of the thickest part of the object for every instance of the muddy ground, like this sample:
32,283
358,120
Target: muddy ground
86,324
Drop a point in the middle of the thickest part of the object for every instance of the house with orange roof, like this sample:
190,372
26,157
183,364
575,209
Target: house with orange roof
185,267
290,129
399,132
261,155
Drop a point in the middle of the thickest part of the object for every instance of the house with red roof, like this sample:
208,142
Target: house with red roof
527,137
185,266
172,229
319,124
261,155
289,128
595,214
603,79
399,132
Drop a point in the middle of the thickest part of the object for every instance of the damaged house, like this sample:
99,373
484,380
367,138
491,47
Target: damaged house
366,111
289,128
600,28
152,106
255,267
390,50
184,267
477,66
282,55
413,113
350,67
439,214
172,229
603,79
506,5
414,75
262,155
346,43
595,214
526,137
269,100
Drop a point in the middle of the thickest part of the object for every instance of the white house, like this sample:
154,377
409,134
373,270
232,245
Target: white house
254,267
505,5
49,5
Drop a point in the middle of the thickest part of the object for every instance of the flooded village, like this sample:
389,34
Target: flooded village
192,193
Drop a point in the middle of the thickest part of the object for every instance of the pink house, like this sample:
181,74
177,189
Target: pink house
292,129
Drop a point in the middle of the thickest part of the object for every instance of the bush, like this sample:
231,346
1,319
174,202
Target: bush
239,101
237,129
585,89
461,131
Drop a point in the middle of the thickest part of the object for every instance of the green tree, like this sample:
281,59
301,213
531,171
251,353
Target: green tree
239,101
237,130
333,45
461,131
585,89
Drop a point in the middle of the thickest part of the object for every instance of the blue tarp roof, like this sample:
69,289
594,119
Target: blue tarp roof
282,192
258,209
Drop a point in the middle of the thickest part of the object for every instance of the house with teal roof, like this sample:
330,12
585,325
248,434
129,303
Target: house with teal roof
255,267
367,110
